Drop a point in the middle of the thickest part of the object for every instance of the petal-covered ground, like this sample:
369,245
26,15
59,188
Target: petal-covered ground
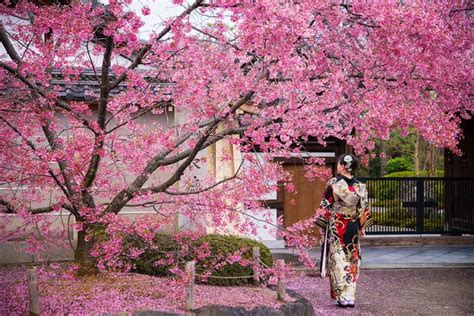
435,291
118,292
380,292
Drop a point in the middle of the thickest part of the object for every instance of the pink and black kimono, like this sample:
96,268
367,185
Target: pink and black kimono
346,212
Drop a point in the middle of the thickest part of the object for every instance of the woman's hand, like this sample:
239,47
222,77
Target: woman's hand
361,233
364,216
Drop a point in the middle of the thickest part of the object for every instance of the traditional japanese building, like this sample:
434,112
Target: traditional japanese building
459,204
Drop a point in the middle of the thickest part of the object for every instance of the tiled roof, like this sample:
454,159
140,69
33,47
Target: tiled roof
87,88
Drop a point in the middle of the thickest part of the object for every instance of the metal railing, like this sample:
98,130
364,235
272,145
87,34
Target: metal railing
421,205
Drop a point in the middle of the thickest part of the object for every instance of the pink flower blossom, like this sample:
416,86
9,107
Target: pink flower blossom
146,11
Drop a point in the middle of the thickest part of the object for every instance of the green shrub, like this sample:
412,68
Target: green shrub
395,216
399,164
434,225
226,244
384,189
390,190
406,218
168,248
145,263
437,195
423,173
384,203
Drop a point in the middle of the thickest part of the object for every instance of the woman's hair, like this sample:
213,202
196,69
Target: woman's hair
349,161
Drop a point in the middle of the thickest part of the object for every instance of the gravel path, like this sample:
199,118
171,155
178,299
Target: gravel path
444,291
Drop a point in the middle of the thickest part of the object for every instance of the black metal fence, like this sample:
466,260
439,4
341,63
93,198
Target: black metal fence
421,205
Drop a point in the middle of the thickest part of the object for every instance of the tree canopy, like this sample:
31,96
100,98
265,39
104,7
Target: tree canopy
350,70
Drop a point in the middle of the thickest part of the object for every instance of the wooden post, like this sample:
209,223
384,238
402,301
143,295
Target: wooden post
189,290
281,281
33,291
256,264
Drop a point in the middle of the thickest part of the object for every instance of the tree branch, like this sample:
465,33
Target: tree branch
140,114
40,210
8,45
217,39
33,148
141,54
104,89
52,137
119,201
101,115
60,103
204,189
461,10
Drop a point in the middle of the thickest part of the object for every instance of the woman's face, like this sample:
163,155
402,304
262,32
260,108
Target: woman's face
339,168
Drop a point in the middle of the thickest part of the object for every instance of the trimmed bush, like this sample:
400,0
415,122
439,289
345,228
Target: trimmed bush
405,218
390,190
397,217
167,252
384,189
145,263
399,164
227,244
423,173
385,203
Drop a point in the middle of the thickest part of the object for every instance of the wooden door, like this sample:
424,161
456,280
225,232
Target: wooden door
305,201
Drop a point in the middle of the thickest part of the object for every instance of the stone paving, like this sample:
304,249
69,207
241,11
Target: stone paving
418,257
392,257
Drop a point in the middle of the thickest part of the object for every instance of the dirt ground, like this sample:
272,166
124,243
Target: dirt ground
435,291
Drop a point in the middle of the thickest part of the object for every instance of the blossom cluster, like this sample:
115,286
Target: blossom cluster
148,132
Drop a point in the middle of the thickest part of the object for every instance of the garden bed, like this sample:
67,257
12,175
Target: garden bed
121,292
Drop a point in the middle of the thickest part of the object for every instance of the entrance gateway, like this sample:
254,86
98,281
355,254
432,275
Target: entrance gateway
302,204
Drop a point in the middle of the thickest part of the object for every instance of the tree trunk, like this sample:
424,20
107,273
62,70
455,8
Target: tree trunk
431,159
434,157
417,155
383,162
82,255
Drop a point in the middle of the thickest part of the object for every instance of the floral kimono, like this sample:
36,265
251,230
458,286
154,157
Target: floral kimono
345,202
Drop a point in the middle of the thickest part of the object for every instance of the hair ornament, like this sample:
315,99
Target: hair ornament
348,161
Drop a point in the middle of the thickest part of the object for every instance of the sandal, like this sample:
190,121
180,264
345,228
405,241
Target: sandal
342,304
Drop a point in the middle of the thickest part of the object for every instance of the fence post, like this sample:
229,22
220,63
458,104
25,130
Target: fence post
256,264
420,206
33,293
189,290
280,263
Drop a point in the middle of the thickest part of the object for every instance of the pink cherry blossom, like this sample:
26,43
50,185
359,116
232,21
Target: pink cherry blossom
266,75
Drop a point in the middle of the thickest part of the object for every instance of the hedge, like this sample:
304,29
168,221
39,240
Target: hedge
225,244
219,245
405,218
399,164
390,190
422,173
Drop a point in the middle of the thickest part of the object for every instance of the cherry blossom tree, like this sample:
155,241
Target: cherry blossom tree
351,70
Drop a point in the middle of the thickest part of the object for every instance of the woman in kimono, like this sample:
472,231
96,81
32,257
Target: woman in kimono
344,211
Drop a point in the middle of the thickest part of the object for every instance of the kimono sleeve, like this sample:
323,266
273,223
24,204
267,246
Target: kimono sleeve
326,204
364,213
